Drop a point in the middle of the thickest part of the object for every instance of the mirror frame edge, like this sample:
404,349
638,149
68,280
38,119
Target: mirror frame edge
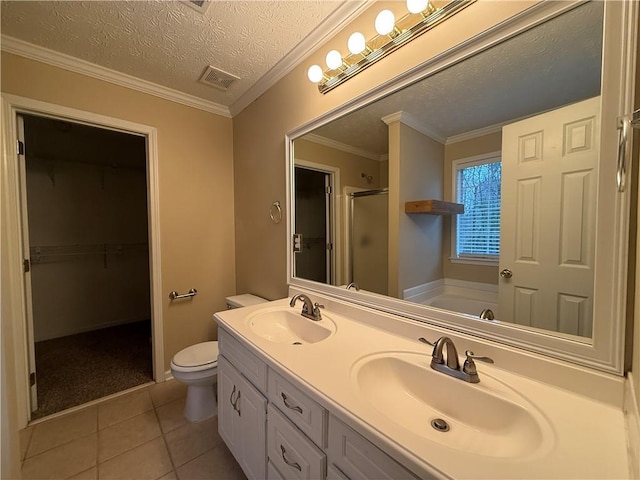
605,350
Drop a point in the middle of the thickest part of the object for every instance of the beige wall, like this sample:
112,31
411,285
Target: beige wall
415,241
468,148
351,166
195,165
259,132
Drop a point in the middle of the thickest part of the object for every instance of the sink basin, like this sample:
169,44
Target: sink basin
488,418
286,325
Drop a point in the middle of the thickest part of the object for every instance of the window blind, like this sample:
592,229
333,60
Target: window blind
478,229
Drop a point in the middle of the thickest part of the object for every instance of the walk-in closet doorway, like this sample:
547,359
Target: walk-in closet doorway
85,225
85,233
14,248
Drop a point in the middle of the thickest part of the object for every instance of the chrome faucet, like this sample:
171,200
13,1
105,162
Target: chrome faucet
353,285
451,367
309,309
437,359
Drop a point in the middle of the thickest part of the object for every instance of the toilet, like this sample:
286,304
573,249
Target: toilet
197,367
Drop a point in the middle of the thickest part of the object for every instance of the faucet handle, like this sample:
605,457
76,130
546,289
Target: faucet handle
316,311
424,340
469,364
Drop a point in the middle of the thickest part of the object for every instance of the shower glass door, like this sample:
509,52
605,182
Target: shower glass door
369,240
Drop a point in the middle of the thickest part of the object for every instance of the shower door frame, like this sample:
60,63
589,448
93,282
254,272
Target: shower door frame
12,106
351,193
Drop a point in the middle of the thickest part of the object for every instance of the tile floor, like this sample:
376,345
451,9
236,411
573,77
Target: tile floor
140,435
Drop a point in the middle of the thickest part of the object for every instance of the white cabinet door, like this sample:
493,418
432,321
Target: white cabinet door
355,457
228,422
242,416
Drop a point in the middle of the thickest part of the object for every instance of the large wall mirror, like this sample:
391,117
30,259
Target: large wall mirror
483,196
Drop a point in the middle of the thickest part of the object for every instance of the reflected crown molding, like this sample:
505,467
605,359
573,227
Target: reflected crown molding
410,121
327,142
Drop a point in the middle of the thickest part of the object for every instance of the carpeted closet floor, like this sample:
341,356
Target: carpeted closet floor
79,368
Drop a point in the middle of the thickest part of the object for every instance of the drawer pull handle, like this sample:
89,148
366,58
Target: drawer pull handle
286,404
231,397
234,403
236,406
295,465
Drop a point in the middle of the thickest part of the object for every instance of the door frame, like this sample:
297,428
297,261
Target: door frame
13,250
334,215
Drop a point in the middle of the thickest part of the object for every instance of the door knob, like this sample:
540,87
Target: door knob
506,273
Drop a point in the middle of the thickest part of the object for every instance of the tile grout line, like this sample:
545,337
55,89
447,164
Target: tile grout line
26,450
162,434
55,446
98,430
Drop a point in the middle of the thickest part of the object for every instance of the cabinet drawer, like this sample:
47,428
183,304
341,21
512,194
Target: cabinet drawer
308,415
357,458
254,369
291,453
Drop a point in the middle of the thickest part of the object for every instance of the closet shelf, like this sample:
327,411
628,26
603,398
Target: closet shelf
58,253
433,207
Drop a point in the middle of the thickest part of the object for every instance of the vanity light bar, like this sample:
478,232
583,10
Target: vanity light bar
402,32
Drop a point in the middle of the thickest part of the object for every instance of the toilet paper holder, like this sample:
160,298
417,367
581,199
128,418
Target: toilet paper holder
175,295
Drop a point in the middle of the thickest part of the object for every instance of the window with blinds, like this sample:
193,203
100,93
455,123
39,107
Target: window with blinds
477,233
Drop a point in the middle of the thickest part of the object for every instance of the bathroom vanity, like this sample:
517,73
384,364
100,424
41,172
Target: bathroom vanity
353,396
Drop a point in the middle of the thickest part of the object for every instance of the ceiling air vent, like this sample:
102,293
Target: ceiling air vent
215,77
199,5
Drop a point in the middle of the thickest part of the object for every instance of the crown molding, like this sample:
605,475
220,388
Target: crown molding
73,64
480,132
335,22
327,142
410,121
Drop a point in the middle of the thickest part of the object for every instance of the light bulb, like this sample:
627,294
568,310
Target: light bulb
417,6
356,43
315,73
385,22
334,59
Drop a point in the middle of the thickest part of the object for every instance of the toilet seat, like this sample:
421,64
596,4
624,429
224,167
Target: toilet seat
198,357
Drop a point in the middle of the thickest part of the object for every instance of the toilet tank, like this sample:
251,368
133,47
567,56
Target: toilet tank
237,301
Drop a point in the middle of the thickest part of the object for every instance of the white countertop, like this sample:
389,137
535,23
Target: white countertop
584,438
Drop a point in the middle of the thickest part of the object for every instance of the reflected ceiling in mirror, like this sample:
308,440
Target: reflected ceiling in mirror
491,107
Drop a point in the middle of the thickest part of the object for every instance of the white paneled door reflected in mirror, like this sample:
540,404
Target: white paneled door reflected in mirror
518,136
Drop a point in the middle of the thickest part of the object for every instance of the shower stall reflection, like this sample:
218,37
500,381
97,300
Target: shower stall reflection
369,239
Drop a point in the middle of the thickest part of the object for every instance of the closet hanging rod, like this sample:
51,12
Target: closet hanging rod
61,251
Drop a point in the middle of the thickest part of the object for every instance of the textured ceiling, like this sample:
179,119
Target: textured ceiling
556,63
168,42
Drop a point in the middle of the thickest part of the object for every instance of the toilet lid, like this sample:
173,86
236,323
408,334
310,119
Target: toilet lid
197,355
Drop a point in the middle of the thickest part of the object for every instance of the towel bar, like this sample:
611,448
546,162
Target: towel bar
175,295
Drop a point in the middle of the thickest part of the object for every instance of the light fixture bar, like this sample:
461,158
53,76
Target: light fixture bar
382,45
